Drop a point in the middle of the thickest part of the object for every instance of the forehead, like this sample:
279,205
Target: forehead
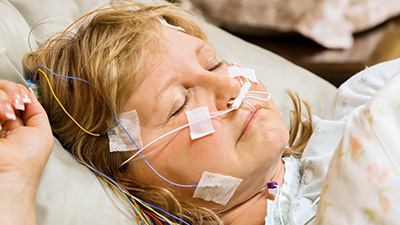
176,42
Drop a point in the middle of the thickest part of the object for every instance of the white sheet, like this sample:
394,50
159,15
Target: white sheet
362,185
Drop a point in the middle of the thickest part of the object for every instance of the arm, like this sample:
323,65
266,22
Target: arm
25,146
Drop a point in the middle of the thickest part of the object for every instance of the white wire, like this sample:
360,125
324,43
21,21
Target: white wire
162,136
273,209
258,98
214,114
312,205
291,214
279,204
249,105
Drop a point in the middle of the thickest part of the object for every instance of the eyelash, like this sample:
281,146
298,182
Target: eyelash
180,108
216,66
219,64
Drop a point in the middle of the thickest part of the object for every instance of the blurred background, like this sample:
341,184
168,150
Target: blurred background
332,38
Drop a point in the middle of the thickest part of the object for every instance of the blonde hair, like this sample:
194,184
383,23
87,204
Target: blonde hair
111,51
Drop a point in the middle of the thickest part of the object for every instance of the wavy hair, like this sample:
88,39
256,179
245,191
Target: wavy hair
112,51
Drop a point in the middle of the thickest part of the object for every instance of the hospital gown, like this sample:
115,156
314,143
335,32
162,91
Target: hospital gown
304,177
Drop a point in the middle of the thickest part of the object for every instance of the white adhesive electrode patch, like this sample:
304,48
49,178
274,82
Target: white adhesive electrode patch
199,122
216,187
164,22
235,71
119,140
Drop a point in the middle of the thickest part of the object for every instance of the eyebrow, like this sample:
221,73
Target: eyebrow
200,47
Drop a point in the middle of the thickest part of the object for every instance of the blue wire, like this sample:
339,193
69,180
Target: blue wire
164,211
126,196
155,171
94,170
180,185
109,179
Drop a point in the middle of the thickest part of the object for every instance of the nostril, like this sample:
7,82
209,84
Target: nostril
230,102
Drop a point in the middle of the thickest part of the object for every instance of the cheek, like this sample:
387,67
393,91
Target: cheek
204,149
190,158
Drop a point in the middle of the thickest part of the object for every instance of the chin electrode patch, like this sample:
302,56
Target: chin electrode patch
216,187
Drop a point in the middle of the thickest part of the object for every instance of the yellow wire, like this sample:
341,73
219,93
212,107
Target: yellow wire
148,207
133,197
51,89
140,215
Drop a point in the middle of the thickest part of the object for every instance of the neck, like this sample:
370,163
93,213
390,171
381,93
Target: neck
254,210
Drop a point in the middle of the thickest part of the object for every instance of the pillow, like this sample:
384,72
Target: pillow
365,167
68,192
328,22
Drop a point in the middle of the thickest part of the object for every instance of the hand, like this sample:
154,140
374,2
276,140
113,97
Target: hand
26,142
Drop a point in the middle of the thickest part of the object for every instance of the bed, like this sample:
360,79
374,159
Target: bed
68,192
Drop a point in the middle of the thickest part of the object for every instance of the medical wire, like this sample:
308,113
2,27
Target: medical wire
277,198
108,180
214,114
62,107
150,215
48,81
94,11
126,193
292,218
68,77
279,204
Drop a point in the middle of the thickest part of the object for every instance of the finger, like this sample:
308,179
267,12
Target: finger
17,93
24,92
35,116
9,125
6,109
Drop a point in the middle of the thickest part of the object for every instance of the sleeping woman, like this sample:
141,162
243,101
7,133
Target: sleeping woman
210,136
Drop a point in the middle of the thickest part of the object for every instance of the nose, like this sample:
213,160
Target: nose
223,87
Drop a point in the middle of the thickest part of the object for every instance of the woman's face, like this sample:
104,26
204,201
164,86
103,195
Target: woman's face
246,144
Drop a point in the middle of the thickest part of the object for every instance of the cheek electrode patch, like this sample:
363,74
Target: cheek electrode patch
119,140
216,187
199,122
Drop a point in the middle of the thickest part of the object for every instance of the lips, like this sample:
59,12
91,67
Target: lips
250,119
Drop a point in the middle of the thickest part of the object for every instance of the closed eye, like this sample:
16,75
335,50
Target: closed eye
216,66
180,108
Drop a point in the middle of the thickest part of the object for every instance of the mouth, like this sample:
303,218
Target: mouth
250,119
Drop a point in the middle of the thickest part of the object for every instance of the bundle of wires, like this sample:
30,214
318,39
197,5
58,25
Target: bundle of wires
140,207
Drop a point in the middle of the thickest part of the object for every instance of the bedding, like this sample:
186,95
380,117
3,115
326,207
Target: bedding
328,132
362,185
68,192
329,128
330,23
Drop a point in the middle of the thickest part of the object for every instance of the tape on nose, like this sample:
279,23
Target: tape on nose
249,73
